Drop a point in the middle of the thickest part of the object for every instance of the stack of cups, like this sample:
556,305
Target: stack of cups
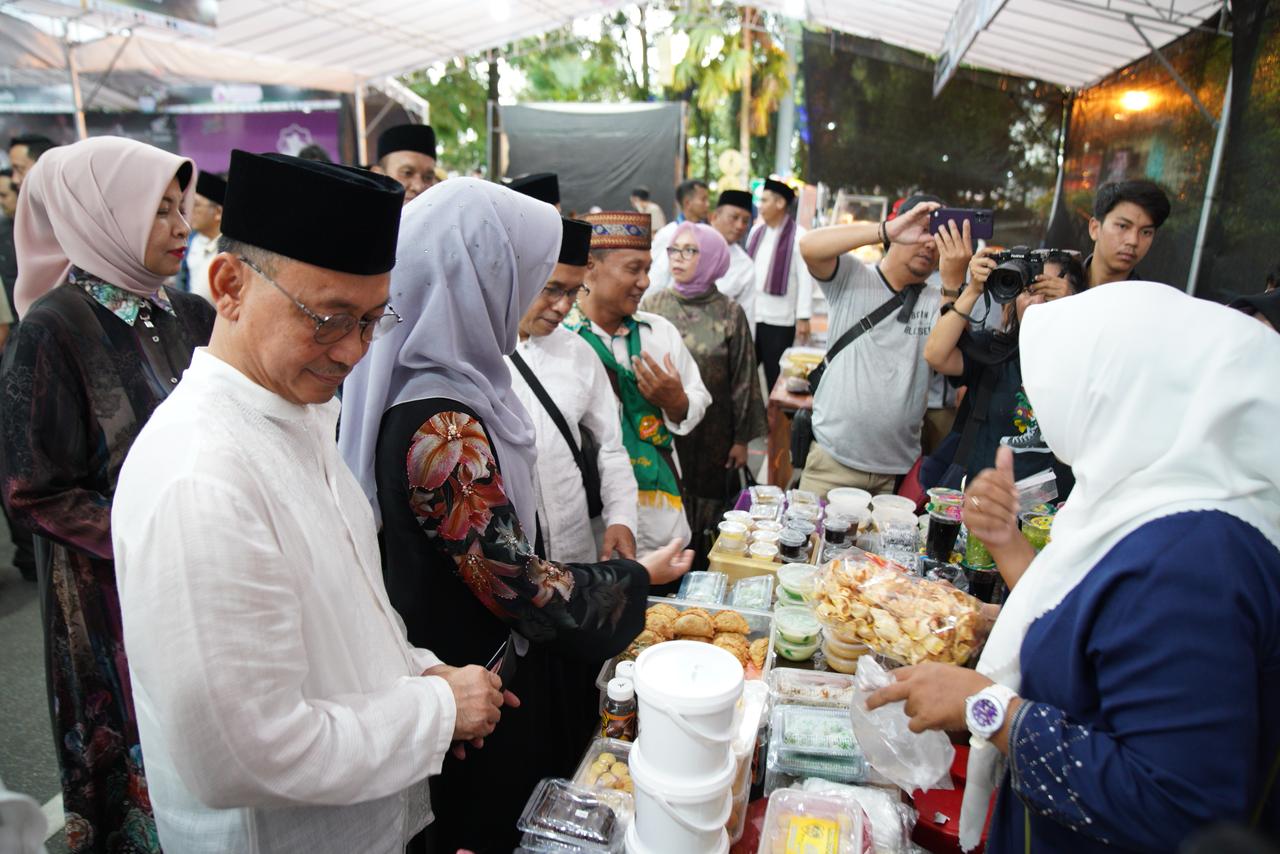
683,764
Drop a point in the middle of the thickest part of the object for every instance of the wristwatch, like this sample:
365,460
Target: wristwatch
950,293
985,711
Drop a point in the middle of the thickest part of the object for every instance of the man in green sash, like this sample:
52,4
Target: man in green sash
652,372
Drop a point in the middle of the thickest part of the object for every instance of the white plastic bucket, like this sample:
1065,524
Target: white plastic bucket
635,846
676,813
687,693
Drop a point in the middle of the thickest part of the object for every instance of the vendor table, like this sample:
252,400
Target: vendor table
783,406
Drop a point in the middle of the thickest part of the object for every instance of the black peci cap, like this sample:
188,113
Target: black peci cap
543,186
575,243
212,187
359,239
737,198
419,138
781,189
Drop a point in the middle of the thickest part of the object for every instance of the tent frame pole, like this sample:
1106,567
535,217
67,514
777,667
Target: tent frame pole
1173,72
1210,189
82,129
362,144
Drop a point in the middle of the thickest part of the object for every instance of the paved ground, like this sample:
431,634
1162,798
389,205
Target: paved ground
27,761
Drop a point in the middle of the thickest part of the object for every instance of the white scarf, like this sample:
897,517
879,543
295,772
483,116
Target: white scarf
1161,403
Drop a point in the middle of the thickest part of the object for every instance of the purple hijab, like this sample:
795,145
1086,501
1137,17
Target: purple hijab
713,259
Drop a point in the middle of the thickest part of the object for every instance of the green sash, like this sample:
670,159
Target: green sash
643,430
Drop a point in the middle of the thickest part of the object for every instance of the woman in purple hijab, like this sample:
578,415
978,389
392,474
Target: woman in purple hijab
718,334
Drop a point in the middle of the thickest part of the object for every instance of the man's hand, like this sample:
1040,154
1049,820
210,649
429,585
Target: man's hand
478,697
667,563
1050,287
802,330
912,226
663,388
619,539
979,268
737,456
955,248
934,694
990,507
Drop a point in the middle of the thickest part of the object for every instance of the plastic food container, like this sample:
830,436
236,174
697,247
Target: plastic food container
687,693
796,652
1036,528
571,815
893,502
737,548
765,511
764,535
707,587
797,626
732,531
766,525
797,579
742,517
804,526
789,686
810,741
802,496
763,551
755,592
845,498
604,766
842,657
793,545
801,822
1039,488
941,495
766,493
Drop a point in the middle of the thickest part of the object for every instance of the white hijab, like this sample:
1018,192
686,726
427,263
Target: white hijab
471,257
1161,403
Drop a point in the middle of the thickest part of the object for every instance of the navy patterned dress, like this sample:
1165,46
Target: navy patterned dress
85,370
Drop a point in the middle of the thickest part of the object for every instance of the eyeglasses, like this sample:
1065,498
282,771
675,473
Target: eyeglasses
554,294
333,328
687,251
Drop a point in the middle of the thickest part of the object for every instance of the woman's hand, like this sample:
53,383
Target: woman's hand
990,509
934,694
737,456
667,563
954,251
1050,287
980,267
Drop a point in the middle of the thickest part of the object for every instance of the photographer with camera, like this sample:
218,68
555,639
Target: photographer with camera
995,410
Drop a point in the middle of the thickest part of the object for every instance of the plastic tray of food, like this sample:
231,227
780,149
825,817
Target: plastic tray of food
815,742
754,593
801,822
740,566
605,766
706,587
562,812
789,686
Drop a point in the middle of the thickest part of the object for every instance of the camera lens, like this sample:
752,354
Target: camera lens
1008,280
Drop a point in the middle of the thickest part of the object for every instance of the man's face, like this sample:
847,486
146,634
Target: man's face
8,196
206,216
773,207
696,205
618,281
415,171
21,161
732,222
275,340
554,301
921,259
1123,238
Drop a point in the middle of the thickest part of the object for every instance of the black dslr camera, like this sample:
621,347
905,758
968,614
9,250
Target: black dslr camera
1017,268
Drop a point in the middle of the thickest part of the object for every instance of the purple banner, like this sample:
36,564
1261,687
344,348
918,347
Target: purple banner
207,138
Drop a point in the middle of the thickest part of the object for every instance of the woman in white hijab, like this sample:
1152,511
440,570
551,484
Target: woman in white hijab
439,440
1131,684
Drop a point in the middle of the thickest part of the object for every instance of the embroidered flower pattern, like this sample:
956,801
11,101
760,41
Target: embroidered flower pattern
449,441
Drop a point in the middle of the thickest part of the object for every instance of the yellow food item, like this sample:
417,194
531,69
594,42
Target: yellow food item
606,759
807,835
668,611
620,770
758,651
690,625
730,645
731,621
660,625
606,781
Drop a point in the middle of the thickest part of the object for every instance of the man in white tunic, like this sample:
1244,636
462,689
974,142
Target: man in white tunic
784,288
279,705
206,227
568,373
732,218
653,374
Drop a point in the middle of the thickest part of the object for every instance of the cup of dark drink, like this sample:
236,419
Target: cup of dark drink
944,528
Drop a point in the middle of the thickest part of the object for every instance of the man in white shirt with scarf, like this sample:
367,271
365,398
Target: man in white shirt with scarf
784,288
206,227
568,374
279,705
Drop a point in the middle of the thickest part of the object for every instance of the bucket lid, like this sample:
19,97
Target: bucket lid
689,676
681,788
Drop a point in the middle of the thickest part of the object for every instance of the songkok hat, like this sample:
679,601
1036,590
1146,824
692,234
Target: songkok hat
620,230
737,198
911,201
543,186
419,138
575,242
340,218
213,188
781,189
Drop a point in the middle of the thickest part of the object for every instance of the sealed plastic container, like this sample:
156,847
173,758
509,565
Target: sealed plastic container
941,496
766,525
789,686
764,535
763,551
804,526
802,496
793,546
1036,528
687,691
766,512
893,502
755,593
604,766
809,741
766,493
706,587
801,822
796,651
562,812
741,517
732,530
797,579
681,812
730,548
1039,488
843,499
840,656
797,626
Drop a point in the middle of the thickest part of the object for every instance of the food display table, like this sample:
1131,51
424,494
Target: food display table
783,405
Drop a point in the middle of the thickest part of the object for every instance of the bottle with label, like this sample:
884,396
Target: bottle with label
619,719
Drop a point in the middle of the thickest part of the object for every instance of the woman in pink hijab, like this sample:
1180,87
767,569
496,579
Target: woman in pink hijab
101,226
718,334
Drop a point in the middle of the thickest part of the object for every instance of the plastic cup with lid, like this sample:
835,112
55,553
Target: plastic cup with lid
893,502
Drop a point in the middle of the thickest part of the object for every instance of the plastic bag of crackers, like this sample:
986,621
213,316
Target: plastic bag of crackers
905,618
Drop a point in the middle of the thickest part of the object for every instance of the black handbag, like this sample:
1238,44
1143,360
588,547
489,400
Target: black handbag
587,457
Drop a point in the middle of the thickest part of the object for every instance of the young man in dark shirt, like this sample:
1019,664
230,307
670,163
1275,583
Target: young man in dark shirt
1126,215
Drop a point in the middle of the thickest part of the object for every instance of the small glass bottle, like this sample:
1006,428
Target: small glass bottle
619,719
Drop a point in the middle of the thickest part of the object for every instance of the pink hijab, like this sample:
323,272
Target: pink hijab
92,204
713,259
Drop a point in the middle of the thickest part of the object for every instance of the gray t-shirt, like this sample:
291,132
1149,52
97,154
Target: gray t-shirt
869,407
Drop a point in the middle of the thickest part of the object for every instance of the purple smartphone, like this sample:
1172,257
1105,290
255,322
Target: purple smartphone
982,221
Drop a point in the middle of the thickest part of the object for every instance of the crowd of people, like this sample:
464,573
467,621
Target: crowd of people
262,639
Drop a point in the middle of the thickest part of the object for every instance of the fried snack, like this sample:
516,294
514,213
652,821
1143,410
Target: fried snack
659,624
699,611
758,650
736,638
905,618
729,643
691,625
643,641
668,611
731,621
